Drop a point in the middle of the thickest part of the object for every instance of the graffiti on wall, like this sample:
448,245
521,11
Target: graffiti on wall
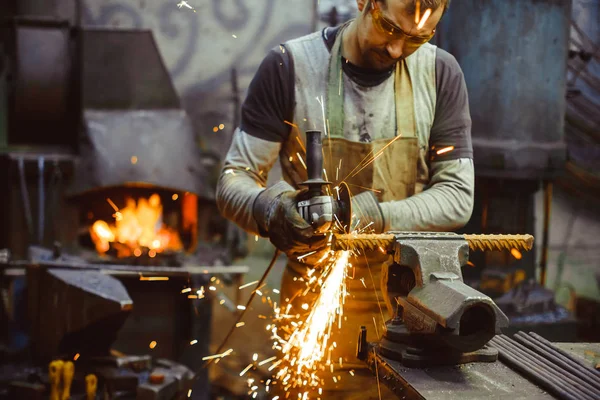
200,47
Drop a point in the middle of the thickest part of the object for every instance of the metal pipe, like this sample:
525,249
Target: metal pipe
533,373
41,200
566,355
25,196
582,378
550,369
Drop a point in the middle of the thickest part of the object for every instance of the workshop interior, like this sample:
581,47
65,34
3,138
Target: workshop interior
119,278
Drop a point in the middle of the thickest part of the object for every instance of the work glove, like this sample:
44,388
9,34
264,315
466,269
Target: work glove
368,217
276,214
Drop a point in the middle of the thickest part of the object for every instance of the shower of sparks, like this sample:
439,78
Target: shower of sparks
184,3
307,351
426,16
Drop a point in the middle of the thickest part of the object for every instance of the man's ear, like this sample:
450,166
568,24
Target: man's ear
361,4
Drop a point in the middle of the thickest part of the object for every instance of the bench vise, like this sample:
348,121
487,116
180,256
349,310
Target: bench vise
437,319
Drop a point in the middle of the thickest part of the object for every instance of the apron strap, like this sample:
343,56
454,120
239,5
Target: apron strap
335,89
403,94
405,103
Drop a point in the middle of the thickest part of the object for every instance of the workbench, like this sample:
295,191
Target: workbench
474,381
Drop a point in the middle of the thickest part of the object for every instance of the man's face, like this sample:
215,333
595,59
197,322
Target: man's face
380,50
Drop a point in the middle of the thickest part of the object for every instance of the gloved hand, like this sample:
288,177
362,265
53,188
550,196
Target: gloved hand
367,213
276,213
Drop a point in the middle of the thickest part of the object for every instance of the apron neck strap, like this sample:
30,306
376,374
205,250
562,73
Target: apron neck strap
403,94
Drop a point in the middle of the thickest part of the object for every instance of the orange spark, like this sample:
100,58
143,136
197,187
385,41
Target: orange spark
248,284
445,150
426,16
516,254
154,278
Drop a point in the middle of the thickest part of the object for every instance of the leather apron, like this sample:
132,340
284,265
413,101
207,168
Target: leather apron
392,176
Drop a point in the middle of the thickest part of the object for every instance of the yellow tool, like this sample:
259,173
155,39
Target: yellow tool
54,375
91,385
68,371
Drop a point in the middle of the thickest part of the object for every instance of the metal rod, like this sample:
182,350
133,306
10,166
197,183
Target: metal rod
476,242
41,200
533,373
499,242
564,354
544,365
550,369
546,234
25,197
564,375
585,379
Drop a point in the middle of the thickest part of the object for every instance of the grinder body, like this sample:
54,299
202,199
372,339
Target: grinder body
318,205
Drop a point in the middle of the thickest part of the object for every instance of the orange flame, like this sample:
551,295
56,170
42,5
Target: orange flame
136,226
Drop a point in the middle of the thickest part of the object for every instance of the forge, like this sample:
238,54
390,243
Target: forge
107,223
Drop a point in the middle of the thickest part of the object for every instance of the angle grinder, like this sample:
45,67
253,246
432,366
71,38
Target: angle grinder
322,205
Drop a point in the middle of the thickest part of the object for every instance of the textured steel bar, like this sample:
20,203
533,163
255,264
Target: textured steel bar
363,241
476,242
499,242
533,372
548,368
556,358
565,354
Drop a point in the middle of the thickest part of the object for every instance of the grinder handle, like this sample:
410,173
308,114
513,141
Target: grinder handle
314,155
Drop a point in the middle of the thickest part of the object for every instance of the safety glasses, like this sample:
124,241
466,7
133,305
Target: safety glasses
393,31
